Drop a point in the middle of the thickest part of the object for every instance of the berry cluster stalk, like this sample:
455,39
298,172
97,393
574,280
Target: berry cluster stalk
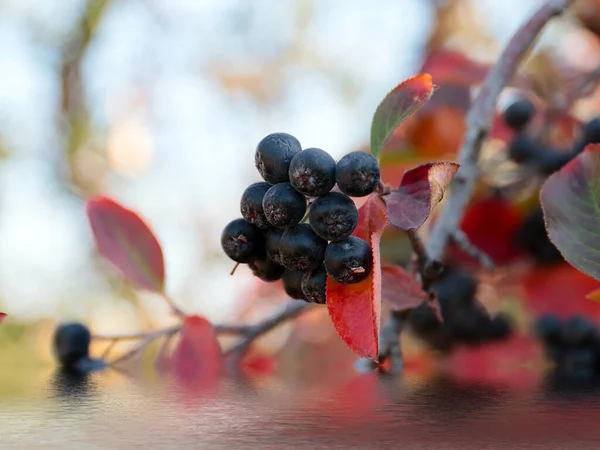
479,121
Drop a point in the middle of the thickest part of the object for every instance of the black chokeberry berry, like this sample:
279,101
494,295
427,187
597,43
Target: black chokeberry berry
301,249
312,172
349,261
333,216
469,325
292,284
579,362
455,290
266,269
273,156
533,238
272,239
549,329
591,131
422,319
242,241
357,174
251,204
523,149
314,285
518,114
284,206
72,343
500,327
578,331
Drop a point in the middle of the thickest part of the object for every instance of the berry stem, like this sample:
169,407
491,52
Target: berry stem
462,240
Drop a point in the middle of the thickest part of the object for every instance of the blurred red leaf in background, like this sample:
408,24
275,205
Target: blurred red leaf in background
2,316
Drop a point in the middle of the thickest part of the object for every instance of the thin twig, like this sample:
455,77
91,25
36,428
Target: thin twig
462,240
146,339
176,309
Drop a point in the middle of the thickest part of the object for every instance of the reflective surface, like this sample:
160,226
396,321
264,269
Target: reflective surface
113,410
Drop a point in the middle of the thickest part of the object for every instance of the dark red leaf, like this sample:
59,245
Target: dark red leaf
2,316
419,192
571,202
560,290
399,289
127,241
449,67
355,309
197,358
403,101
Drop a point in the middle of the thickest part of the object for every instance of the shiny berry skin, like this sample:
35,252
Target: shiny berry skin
283,205
273,156
333,216
312,172
242,241
72,343
591,131
292,284
272,238
266,269
357,174
251,204
549,329
518,114
349,261
301,249
314,285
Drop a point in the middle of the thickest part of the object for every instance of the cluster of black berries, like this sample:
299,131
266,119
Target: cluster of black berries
465,320
272,238
524,149
573,344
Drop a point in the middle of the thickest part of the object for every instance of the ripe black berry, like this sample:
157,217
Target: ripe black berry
283,205
533,239
251,204
242,241
455,290
333,216
349,261
301,249
518,114
578,331
500,327
72,343
357,174
266,269
422,319
523,149
272,239
292,284
549,329
470,324
273,156
312,172
314,285
591,131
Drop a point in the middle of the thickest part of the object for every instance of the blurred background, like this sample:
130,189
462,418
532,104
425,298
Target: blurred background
160,104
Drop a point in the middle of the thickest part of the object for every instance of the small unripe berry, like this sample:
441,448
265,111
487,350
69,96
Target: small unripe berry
314,285
72,343
292,284
266,269
242,241
519,113
301,249
272,239
333,216
312,172
349,261
273,156
284,206
251,204
357,174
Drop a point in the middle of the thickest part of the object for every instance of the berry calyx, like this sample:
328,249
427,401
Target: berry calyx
72,343
292,284
519,114
357,174
333,216
349,261
242,241
273,156
314,285
251,204
301,249
266,269
312,172
283,205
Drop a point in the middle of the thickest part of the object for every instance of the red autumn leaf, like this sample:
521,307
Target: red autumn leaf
560,290
355,309
399,289
454,68
419,192
403,101
2,316
196,359
570,200
127,241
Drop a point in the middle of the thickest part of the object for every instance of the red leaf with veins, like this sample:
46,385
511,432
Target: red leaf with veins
127,241
355,309
570,199
399,289
2,316
197,358
420,190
